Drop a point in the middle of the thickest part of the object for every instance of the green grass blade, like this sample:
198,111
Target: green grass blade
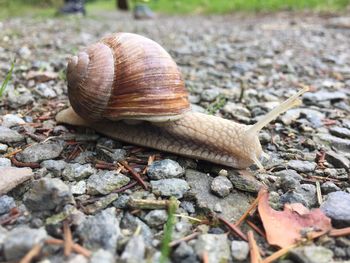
7,79
169,227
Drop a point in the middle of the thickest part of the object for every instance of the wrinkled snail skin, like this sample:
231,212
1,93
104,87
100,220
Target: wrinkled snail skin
126,77
195,135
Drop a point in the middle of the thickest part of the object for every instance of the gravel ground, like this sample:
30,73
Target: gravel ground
237,67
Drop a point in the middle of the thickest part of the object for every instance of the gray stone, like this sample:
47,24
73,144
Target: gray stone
84,157
232,206
114,155
188,206
78,188
3,148
3,235
313,116
102,256
312,254
45,91
122,202
305,194
7,135
11,177
39,152
76,171
221,186
210,94
332,141
183,251
20,240
170,187
100,231
244,181
156,218
100,204
337,160
239,250
329,187
134,251
289,179
4,162
340,132
48,194
164,169
336,207
131,223
104,182
53,166
324,96
6,203
10,120
216,246
301,166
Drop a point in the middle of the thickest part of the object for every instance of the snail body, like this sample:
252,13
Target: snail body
101,80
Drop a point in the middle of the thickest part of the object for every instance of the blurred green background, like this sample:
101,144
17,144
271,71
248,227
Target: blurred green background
10,8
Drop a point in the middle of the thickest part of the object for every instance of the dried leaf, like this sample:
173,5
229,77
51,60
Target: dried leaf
283,228
10,177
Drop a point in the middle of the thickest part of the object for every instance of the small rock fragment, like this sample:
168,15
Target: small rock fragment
6,203
7,135
170,187
336,207
101,203
221,186
301,166
340,132
76,171
337,160
329,187
4,162
13,176
79,188
20,240
55,167
100,231
216,246
239,250
289,179
164,169
134,251
10,120
312,254
3,148
39,152
102,255
48,194
156,218
104,182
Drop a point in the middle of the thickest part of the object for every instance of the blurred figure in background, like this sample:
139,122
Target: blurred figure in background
142,10
73,7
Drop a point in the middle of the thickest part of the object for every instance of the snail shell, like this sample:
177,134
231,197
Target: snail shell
126,76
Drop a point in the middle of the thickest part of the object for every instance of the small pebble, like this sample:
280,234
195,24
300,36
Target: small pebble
55,167
39,152
216,246
239,250
329,187
102,256
7,135
3,148
170,187
221,186
78,188
10,120
6,203
104,182
164,169
312,254
156,218
76,171
134,251
301,166
336,207
48,194
337,160
4,162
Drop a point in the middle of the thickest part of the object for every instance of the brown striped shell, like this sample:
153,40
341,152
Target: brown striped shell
126,76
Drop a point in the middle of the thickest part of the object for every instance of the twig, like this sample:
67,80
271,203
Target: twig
256,229
34,252
67,237
124,188
148,204
235,229
254,249
14,214
183,239
340,232
12,153
76,247
252,207
205,257
136,176
22,164
278,254
318,191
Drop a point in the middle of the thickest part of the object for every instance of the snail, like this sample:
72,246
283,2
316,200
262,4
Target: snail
127,87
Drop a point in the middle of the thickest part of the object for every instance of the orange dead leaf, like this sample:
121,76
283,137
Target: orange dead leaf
283,228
